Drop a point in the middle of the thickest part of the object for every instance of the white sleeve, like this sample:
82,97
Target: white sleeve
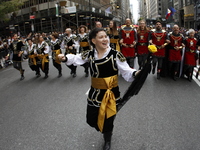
125,70
47,49
76,60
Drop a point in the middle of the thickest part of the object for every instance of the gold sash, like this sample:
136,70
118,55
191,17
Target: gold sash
33,58
57,53
44,59
84,44
108,104
116,41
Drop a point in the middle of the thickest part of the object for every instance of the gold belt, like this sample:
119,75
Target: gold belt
108,104
114,40
44,59
33,58
192,51
57,53
84,44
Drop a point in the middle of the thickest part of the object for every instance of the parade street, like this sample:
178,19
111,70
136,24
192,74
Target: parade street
50,114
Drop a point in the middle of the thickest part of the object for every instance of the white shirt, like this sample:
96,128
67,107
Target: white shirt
123,67
46,51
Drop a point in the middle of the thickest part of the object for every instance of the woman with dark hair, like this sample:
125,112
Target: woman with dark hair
142,46
83,40
42,50
104,94
55,45
32,56
113,35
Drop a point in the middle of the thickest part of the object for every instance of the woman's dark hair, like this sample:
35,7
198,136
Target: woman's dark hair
93,34
114,29
82,26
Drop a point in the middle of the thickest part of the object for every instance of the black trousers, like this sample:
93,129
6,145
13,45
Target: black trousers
57,66
46,68
159,61
18,65
92,118
73,69
174,67
142,59
130,61
86,67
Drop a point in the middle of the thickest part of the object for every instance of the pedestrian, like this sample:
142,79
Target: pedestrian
104,93
113,34
175,51
128,41
55,45
32,57
83,41
17,49
98,24
143,35
69,44
159,38
42,50
190,54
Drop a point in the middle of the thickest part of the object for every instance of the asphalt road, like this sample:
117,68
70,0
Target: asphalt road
50,114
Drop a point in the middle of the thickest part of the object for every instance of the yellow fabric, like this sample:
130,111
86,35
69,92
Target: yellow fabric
108,104
44,59
57,53
116,41
84,44
152,48
33,58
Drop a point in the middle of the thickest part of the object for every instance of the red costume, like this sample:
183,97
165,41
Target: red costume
176,40
159,39
191,45
128,36
142,46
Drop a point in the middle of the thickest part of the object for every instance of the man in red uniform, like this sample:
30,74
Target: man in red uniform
159,38
143,35
190,54
128,40
175,48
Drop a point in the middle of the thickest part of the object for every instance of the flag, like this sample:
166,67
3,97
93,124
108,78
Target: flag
109,10
170,12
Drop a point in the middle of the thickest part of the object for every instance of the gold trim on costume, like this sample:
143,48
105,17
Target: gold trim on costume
108,104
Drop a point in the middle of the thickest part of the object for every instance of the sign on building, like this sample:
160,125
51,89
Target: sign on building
70,10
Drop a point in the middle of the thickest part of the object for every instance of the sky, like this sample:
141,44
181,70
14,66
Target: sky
135,9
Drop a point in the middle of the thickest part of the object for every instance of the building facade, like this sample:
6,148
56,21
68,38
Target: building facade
56,15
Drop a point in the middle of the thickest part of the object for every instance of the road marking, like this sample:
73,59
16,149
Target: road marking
194,76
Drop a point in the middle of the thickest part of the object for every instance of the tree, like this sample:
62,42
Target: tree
9,6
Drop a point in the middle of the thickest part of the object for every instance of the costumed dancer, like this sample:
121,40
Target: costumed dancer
113,34
83,40
17,48
190,54
69,44
55,45
32,57
159,38
143,36
128,40
175,49
104,93
42,49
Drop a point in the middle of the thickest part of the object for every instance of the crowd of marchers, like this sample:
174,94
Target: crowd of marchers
177,48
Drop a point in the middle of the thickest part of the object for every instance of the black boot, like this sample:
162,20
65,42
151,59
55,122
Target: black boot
107,138
22,74
153,70
197,75
158,75
46,76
